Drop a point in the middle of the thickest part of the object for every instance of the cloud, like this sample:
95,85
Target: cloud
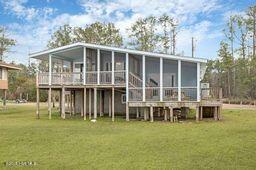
41,22
17,8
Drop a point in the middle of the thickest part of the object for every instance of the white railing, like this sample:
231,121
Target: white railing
76,78
170,93
135,94
152,93
119,77
43,78
71,78
105,77
91,77
188,93
134,80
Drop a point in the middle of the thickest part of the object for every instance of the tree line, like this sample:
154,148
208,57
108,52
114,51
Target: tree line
235,68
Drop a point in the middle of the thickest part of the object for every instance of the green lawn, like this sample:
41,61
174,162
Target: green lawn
78,144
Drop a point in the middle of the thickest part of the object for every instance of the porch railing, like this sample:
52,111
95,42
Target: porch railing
77,78
188,93
170,93
91,77
135,94
119,77
152,93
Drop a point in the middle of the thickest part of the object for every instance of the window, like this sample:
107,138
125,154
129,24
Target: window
1,73
123,98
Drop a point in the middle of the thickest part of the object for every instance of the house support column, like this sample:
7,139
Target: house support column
171,114
137,113
165,114
101,106
37,103
71,104
197,113
201,113
95,104
60,97
81,104
145,113
113,104
109,105
63,114
84,103
90,103
151,114
49,103
215,113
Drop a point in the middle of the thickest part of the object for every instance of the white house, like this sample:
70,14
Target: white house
94,80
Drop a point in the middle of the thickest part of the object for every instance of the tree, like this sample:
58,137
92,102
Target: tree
251,13
99,33
5,42
61,37
226,61
143,34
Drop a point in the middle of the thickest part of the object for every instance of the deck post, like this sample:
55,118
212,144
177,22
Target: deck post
49,103
161,79
145,113
113,67
84,67
127,77
100,100
60,101
90,103
98,66
165,114
37,103
197,113
95,104
109,104
215,113
137,113
63,115
71,103
84,103
151,114
81,105
50,70
143,79
171,114
198,83
179,80
113,104
201,112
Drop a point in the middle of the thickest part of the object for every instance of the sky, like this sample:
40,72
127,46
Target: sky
32,22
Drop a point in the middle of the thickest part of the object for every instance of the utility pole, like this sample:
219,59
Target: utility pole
193,48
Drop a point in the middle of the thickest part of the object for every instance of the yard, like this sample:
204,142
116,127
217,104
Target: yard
78,144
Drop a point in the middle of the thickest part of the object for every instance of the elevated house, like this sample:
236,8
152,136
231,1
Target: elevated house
96,80
4,67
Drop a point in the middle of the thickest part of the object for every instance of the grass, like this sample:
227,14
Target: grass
78,144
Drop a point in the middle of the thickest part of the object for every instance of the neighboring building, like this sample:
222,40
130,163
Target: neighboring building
4,67
101,79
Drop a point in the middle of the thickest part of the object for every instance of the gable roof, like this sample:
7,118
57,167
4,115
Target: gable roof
9,66
45,53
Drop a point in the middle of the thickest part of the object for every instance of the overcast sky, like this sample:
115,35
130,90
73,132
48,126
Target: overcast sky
31,23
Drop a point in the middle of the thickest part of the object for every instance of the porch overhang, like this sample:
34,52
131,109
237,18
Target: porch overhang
76,49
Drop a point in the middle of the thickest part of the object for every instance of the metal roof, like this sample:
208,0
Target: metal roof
45,53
